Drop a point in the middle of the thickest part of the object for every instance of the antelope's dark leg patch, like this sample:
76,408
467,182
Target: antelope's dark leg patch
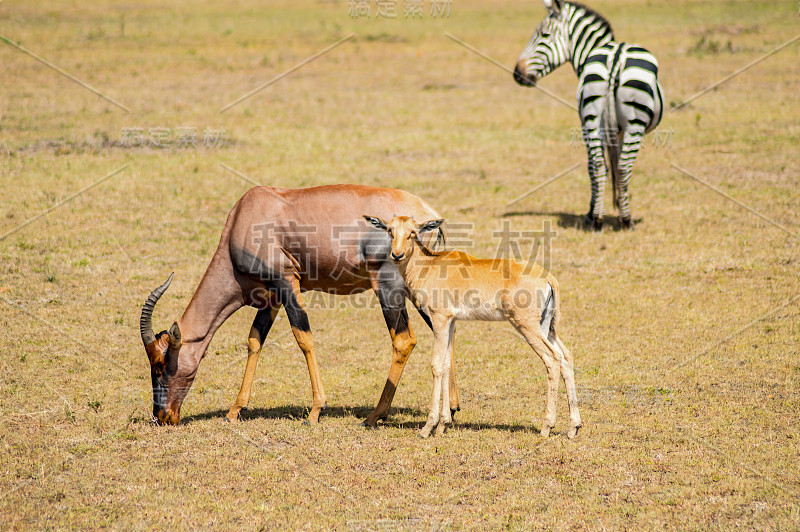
392,296
426,318
296,314
258,333
254,266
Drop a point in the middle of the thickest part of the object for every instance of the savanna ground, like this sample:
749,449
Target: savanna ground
685,331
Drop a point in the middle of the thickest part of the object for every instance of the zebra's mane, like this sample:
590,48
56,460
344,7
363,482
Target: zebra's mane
603,20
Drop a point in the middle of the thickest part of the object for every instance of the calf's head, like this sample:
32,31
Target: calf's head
405,234
162,351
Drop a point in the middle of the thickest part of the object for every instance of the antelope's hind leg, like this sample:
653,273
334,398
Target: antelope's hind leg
568,373
292,300
528,327
452,388
258,334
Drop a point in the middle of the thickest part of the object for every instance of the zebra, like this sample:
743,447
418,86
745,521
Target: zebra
619,97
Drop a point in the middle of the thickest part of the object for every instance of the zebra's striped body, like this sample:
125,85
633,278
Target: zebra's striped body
619,97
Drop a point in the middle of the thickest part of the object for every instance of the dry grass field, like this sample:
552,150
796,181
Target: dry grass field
685,331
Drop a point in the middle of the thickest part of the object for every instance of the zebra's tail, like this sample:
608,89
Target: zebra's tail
613,149
612,139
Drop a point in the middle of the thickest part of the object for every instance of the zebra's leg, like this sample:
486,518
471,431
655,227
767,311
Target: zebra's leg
631,142
597,175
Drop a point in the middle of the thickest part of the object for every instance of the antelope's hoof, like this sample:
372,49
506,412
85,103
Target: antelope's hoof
545,432
426,431
372,420
441,428
573,432
313,416
454,410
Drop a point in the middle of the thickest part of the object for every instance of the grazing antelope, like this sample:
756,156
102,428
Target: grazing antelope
452,285
276,244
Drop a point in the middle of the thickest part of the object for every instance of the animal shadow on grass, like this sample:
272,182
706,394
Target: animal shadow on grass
477,427
296,412
299,412
577,221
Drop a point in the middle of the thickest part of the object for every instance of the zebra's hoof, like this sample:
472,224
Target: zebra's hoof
595,224
626,223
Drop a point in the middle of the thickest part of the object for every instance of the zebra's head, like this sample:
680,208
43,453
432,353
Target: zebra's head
553,44
547,49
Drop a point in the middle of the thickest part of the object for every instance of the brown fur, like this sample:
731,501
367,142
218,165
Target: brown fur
277,243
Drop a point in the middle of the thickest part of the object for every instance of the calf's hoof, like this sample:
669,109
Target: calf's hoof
425,432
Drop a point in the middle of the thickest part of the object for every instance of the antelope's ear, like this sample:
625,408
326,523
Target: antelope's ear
175,339
375,222
430,225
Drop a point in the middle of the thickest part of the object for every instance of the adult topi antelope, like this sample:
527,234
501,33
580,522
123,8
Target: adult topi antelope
276,244
452,286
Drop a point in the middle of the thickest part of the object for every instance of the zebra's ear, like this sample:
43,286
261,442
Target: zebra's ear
553,6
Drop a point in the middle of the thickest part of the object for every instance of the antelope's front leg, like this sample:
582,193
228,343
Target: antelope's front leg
446,414
440,365
258,333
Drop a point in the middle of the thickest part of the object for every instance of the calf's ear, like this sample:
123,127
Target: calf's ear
375,222
430,225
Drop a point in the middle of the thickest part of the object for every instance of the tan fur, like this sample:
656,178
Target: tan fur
454,285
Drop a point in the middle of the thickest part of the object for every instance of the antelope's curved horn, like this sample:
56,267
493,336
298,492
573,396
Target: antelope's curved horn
146,321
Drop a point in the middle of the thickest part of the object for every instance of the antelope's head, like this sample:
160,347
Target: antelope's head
162,351
405,233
